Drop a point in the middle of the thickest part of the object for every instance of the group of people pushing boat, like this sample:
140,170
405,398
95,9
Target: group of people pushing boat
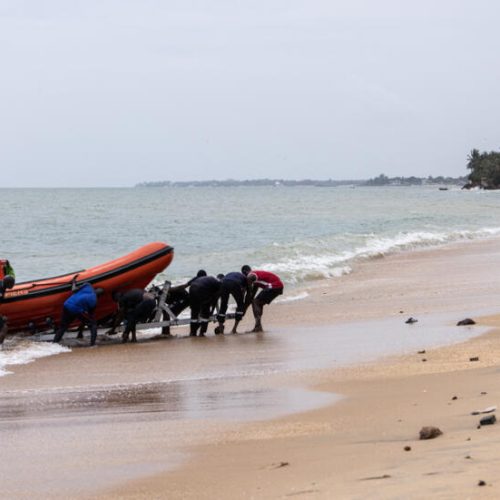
202,294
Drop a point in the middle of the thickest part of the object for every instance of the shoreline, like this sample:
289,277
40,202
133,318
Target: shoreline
357,444
328,451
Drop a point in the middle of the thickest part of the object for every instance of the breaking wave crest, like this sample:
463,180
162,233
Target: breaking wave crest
333,257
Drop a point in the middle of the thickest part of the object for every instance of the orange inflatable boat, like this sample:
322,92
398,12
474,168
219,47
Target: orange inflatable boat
37,305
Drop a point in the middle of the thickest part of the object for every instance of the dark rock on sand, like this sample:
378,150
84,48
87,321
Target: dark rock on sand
481,483
407,448
279,465
454,398
430,432
466,321
421,352
489,420
474,358
410,321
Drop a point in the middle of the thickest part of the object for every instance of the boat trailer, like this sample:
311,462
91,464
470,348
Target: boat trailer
163,317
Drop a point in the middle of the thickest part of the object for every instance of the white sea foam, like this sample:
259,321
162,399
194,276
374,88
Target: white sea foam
18,351
325,259
293,298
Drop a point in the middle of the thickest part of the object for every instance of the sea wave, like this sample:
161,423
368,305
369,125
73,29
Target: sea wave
332,257
18,351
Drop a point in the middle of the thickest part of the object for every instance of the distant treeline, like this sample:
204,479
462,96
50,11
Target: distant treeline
250,182
381,180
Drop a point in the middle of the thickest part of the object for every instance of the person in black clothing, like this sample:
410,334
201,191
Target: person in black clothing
178,296
5,283
134,306
235,285
203,294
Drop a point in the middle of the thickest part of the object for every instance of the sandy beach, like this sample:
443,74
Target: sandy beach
353,447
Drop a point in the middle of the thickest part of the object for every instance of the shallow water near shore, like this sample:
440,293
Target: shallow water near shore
122,411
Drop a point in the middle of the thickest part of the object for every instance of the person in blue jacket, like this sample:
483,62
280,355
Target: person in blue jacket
80,305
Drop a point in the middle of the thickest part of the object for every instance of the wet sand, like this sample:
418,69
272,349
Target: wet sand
108,423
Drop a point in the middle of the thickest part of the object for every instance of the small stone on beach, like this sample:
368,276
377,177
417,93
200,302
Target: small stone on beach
489,420
407,448
474,358
430,432
454,398
424,359
411,320
466,321
421,352
481,483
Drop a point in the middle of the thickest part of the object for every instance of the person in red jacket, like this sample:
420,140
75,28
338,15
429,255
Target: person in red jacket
271,287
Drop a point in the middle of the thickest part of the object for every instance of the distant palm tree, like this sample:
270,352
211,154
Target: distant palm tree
473,159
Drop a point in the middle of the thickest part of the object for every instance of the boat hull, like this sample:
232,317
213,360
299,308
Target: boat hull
37,305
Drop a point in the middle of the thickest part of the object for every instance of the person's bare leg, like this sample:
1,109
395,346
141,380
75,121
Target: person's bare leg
257,308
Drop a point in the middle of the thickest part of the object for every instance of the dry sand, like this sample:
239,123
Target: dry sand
354,448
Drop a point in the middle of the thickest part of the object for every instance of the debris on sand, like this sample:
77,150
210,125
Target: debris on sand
407,448
279,465
466,321
411,320
430,432
385,476
490,409
481,483
474,358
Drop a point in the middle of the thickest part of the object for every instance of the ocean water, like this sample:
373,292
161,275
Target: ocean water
301,233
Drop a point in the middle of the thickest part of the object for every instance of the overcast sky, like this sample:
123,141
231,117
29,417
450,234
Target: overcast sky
115,92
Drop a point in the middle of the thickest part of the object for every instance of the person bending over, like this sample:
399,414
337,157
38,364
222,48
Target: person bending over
203,294
235,285
271,287
178,298
6,283
80,305
134,306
